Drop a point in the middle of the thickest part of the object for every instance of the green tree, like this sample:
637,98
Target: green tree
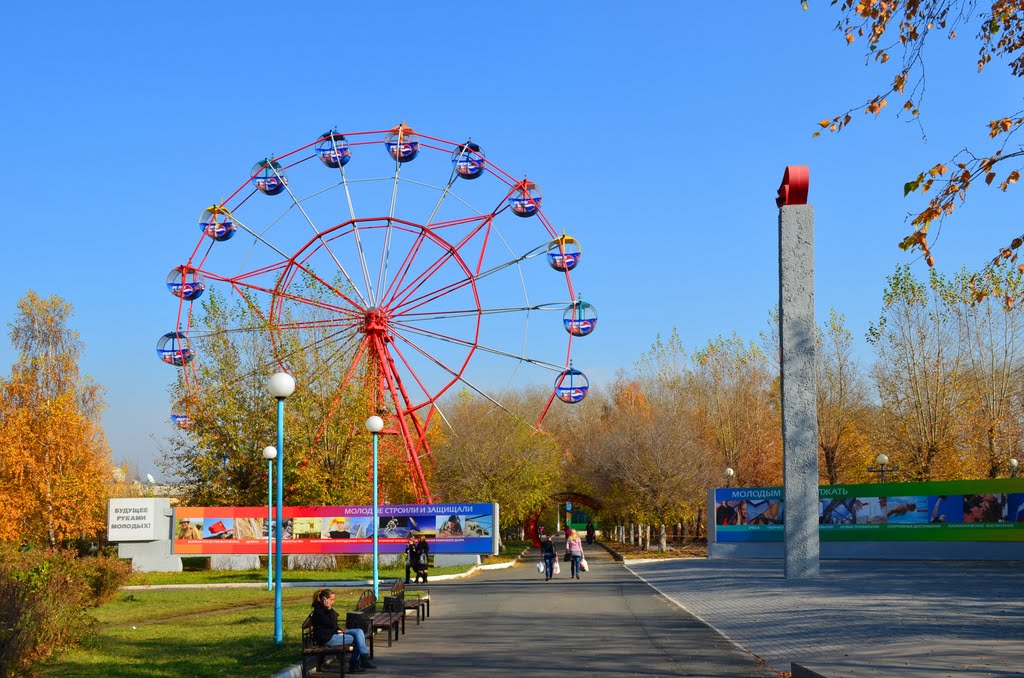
218,459
917,374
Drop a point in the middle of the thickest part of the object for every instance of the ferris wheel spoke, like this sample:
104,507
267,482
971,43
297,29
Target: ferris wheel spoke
360,252
447,255
409,303
404,267
406,318
455,374
385,255
472,345
399,394
316,231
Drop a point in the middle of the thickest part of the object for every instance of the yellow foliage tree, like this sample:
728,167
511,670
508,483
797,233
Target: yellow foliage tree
55,469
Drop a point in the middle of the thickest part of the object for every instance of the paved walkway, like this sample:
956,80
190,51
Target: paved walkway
511,622
860,618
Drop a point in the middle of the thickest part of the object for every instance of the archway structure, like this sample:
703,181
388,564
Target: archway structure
560,498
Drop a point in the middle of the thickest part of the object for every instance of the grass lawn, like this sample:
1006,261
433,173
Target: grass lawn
209,632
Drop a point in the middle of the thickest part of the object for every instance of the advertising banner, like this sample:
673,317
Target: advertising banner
449,528
950,510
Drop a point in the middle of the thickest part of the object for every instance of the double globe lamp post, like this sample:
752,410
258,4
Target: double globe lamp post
281,386
270,454
375,425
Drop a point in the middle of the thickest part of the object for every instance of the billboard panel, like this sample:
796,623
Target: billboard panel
450,528
952,510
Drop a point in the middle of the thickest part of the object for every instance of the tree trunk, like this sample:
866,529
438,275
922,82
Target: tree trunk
647,537
662,538
631,533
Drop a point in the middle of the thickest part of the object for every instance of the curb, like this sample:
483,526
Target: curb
319,584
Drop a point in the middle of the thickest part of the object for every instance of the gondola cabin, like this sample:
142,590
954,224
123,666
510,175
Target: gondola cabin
468,160
564,253
580,318
333,150
525,199
173,349
186,283
180,416
571,386
268,177
217,223
182,421
402,143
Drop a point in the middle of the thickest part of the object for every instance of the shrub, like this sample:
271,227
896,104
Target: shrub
43,600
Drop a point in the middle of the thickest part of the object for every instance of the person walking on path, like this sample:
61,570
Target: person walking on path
591,533
575,549
422,562
547,552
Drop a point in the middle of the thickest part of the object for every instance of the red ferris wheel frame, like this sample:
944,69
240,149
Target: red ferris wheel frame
386,322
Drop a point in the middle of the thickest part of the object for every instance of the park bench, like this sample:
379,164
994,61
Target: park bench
366,617
416,600
312,651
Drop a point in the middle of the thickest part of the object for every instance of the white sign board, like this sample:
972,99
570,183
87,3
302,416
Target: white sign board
132,520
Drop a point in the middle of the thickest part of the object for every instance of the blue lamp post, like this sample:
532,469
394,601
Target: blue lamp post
270,454
375,425
281,386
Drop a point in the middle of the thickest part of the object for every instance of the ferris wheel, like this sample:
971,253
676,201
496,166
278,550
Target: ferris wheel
371,245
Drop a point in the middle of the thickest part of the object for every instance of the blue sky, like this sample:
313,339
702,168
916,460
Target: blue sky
659,133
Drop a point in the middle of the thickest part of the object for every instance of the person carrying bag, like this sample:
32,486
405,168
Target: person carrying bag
574,549
547,553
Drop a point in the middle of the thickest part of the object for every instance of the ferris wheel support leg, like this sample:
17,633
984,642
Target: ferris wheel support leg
399,396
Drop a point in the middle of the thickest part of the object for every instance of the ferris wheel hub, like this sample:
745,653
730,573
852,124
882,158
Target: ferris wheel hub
375,322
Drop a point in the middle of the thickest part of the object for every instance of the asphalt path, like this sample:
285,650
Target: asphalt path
511,622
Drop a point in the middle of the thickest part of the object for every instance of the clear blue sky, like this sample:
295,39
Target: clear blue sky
658,131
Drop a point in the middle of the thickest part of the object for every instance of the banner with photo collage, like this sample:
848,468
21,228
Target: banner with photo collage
950,510
449,528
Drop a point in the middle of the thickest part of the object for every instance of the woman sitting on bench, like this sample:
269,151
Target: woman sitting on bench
327,632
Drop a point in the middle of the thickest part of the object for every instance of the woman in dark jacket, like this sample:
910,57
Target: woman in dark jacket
422,561
547,551
326,631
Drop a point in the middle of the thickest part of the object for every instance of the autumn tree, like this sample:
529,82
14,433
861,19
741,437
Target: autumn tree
917,375
991,339
488,453
897,31
842,401
734,412
55,468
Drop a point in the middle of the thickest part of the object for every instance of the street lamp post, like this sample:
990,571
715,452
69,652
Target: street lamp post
281,386
882,461
270,454
729,473
375,425
1014,465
